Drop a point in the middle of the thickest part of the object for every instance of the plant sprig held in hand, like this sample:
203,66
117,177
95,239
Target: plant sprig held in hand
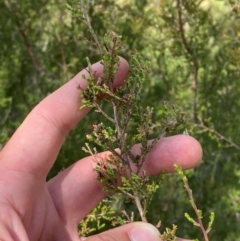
118,137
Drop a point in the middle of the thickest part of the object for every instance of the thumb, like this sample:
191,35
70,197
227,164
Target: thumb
137,231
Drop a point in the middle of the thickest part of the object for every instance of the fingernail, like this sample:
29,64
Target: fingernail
144,232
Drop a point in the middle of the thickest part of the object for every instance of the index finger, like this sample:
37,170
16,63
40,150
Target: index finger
36,143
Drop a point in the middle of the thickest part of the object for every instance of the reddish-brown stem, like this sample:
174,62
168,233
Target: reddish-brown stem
200,223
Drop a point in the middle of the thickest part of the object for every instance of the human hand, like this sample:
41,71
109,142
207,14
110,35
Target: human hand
36,210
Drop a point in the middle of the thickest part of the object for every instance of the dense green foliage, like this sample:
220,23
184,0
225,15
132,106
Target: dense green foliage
194,49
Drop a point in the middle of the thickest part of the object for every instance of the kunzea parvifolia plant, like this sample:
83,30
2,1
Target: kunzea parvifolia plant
127,122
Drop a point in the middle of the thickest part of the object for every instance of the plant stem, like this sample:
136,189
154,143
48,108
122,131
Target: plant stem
219,135
90,26
103,113
121,133
200,223
140,208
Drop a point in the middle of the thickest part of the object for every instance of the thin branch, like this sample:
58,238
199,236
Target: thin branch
163,133
200,223
140,208
130,219
103,113
219,135
126,193
128,110
127,161
135,197
89,25
116,121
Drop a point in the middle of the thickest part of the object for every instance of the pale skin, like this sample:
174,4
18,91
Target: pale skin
32,209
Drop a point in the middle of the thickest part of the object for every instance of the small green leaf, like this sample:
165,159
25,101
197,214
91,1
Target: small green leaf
69,6
211,217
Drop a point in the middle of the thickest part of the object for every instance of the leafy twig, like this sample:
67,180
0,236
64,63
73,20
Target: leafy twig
219,135
197,211
90,26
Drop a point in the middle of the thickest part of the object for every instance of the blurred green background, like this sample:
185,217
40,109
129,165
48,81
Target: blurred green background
194,49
